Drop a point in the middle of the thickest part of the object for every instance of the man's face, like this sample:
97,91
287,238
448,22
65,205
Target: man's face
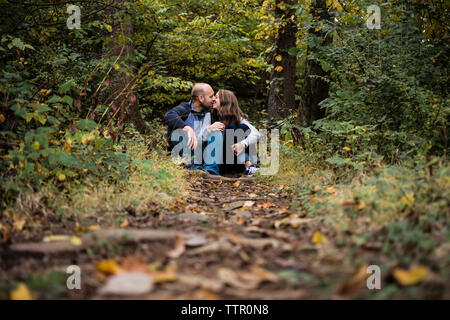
216,102
207,99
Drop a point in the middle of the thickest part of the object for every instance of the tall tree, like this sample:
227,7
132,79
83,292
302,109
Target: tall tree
122,94
316,89
281,100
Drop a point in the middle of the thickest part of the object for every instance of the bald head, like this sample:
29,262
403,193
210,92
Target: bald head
202,95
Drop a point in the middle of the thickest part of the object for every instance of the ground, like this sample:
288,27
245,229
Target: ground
231,238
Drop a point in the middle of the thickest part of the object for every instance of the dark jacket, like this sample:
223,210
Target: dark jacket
175,119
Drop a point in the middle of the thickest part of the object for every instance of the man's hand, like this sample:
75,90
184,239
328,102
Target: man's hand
238,148
192,138
216,126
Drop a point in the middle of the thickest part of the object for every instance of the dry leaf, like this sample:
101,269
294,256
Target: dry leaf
263,274
179,248
127,284
94,227
124,223
410,277
21,293
203,294
56,238
134,264
236,184
356,283
248,204
169,274
266,204
76,241
19,222
108,266
319,238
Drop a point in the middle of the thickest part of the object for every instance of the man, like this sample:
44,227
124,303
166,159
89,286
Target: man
194,117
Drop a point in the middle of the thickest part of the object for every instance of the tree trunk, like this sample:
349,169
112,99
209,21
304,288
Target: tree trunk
122,85
281,101
316,89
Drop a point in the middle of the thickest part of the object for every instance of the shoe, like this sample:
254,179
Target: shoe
252,169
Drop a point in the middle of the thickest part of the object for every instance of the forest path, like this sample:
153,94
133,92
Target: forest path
232,238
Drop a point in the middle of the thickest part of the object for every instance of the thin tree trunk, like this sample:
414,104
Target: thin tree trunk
121,83
316,89
281,101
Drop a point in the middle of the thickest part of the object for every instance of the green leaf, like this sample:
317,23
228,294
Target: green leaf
84,124
64,88
67,100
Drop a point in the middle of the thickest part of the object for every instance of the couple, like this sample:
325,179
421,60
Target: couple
217,120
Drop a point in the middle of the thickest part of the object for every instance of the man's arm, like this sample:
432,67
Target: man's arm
173,117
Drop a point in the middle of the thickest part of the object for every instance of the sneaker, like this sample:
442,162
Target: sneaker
252,169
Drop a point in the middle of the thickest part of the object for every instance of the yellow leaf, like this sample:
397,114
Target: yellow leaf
124,223
56,238
278,58
279,69
21,293
407,199
76,241
108,266
2,118
94,227
36,145
109,28
409,277
19,222
236,184
61,177
116,66
347,148
319,238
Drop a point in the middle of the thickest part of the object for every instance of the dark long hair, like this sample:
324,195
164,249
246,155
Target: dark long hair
229,111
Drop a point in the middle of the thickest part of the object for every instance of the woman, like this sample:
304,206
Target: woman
230,117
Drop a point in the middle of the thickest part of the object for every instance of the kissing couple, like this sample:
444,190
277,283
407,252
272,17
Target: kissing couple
212,127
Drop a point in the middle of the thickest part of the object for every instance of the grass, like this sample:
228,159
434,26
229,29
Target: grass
399,212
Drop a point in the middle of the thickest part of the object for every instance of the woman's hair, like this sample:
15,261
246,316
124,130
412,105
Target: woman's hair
229,111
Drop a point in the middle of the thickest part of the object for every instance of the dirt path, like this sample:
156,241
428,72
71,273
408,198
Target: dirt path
232,239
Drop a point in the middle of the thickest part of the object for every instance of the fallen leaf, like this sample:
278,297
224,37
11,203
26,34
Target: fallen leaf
76,241
266,204
196,241
236,184
21,293
169,274
293,221
56,238
108,266
19,222
134,264
263,274
203,294
124,223
127,284
319,238
410,277
94,227
248,204
179,248
356,283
